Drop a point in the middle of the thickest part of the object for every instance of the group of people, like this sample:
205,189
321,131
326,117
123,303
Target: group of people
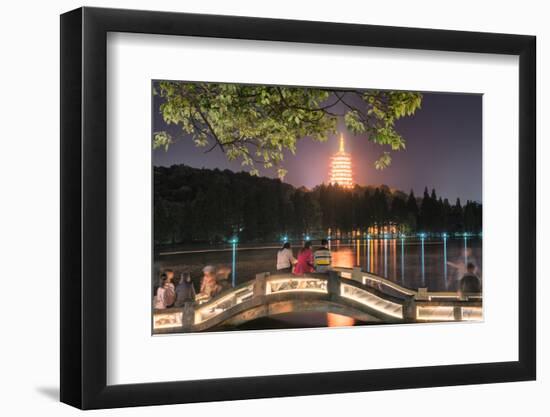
320,260
308,261
215,280
175,292
169,293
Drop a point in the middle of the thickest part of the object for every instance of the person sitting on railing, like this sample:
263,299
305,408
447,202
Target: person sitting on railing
285,259
322,258
165,293
209,285
461,267
470,282
222,278
185,291
304,265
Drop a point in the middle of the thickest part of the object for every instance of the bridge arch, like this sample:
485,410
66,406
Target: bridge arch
351,293
275,307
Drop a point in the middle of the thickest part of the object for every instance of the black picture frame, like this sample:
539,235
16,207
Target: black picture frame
84,207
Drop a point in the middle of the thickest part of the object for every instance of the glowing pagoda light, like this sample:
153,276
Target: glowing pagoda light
341,172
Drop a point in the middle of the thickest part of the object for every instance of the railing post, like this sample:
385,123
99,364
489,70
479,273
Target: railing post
260,284
409,309
188,316
457,313
333,284
357,274
422,294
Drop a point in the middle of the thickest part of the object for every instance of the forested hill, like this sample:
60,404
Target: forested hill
212,205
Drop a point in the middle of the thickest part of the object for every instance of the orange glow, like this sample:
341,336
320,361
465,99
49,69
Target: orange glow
393,249
343,258
341,172
337,320
372,255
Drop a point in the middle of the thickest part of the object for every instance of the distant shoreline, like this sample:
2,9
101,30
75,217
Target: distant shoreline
182,250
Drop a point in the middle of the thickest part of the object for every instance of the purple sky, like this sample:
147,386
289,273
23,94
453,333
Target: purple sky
444,151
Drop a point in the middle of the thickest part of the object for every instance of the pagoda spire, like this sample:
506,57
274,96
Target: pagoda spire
342,143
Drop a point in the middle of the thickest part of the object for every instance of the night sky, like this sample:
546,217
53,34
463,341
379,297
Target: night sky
444,151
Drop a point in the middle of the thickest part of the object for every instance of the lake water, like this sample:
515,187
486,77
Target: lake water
436,264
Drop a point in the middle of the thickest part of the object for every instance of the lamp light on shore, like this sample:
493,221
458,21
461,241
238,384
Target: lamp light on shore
234,240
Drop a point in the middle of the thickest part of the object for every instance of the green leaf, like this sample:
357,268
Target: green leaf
267,121
383,161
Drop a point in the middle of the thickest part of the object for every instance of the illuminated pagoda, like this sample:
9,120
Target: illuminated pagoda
341,172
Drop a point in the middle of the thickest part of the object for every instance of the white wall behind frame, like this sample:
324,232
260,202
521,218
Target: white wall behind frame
133,60
30,224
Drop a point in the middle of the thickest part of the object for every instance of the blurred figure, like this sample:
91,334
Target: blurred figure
222,279
165,294
170,275
470,282
322,258
304,264
185,291
209,286
285,259
460,266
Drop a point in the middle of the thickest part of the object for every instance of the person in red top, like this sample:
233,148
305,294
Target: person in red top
304,265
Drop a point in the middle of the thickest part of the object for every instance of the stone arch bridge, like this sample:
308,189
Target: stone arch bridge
349,292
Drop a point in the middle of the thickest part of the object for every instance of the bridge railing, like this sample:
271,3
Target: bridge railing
385,285
372,292
222,303
425,305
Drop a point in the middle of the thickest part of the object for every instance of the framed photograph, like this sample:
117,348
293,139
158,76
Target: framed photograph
258,208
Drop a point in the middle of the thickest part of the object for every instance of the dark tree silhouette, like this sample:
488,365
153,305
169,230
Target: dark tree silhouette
211,206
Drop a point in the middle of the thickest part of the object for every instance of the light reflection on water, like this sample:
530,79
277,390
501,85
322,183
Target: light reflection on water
436,264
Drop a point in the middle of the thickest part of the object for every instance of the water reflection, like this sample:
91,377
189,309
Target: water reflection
445,260
402,261
385,257
435,264
394,257
368,255
343,257
423,264
337,320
